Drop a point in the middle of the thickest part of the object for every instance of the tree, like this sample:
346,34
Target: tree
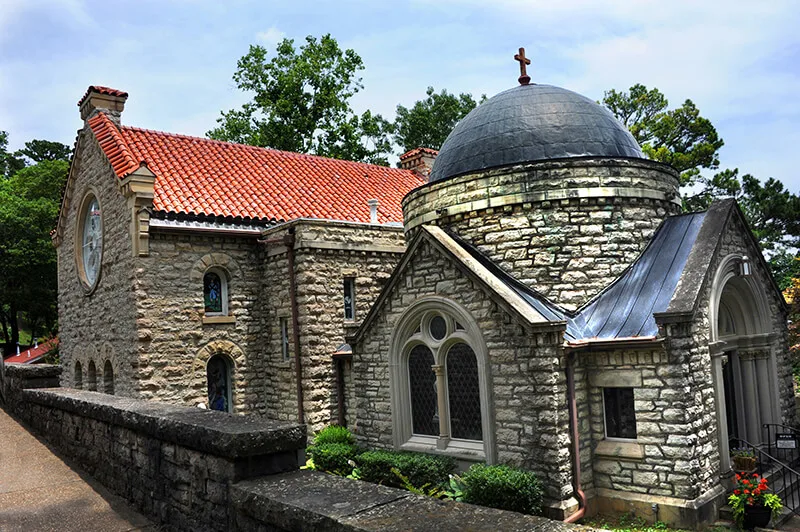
679,137
9,163
29,203
428,122
37,151
689,142
301,103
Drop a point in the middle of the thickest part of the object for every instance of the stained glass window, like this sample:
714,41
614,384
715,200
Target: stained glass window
619,412
92,243
212,293
464,393
422,381
218,384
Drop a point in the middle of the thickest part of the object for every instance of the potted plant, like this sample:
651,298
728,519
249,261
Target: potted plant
744,460
752,503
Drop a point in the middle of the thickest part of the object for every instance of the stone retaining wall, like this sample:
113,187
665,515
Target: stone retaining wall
192,469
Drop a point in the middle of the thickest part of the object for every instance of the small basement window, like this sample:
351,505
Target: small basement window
349,298
620,414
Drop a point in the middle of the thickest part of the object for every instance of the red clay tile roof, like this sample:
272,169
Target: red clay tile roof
102,90
31,355
415,151
212,178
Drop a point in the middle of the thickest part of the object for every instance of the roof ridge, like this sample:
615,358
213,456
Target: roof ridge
124,163
260,148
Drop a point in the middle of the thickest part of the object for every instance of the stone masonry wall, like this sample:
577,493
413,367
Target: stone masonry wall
666,436
100,326
527,391
174,464
325,254
562,227
175,341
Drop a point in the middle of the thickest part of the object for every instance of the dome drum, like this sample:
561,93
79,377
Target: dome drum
584,178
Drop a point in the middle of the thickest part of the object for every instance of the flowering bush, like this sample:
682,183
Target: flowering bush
752,490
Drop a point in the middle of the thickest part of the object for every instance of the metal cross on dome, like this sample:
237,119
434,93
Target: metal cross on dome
524,78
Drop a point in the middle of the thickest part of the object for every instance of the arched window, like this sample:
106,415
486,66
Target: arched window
218,376
215,293
92,377
108,378
422,380
439,382
463,393
78,379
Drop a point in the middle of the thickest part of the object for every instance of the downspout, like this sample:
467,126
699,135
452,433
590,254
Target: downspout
342,418
576,452
289,241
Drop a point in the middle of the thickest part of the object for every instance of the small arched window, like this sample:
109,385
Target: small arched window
463,393
422,380
218,376
92,377
215,293
78,378
108,378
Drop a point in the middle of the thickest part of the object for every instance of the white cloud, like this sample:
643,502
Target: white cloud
271,37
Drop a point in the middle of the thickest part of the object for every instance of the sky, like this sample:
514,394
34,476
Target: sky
739,61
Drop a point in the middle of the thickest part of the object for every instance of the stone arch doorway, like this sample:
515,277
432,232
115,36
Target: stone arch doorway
744,364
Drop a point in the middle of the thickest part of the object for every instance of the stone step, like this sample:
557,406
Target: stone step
726,513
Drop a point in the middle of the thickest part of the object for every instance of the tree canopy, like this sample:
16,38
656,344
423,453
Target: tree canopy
29,201
301,103
689,142
428,122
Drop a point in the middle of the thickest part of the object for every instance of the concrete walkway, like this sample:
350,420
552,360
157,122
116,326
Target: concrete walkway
40,492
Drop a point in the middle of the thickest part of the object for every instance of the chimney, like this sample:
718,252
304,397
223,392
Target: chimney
419,160
97,99
373,211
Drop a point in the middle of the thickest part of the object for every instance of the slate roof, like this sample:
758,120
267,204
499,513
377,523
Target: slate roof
197,176
625,308
532,123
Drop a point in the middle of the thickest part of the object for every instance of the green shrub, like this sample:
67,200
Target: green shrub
419,469
333,457
503,487
334,434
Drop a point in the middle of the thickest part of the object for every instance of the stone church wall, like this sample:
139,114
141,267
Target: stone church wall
99,326
527,390
565,228
175,340
325,254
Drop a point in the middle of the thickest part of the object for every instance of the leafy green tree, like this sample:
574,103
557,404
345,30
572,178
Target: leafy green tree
37,151
301,103
9,162
428,122
29,203
679,137
690,143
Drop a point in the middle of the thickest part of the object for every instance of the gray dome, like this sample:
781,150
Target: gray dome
532,123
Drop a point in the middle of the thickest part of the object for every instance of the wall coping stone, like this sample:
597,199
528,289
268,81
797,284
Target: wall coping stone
32,371
313,500
216,433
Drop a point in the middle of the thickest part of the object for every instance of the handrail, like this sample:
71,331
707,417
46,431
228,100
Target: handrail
775,469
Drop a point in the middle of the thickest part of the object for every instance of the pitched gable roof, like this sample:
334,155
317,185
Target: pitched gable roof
497,287
197,176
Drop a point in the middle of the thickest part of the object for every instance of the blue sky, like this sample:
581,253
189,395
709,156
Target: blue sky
738,61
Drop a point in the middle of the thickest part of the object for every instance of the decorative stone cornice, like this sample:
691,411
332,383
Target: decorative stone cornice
138,188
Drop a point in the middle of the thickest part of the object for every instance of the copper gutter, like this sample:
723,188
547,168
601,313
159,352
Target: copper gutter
289,240
576,452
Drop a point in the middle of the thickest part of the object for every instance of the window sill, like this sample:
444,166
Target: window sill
630,450
208,320
467,451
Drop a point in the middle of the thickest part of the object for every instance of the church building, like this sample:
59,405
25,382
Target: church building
532,295
556,311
